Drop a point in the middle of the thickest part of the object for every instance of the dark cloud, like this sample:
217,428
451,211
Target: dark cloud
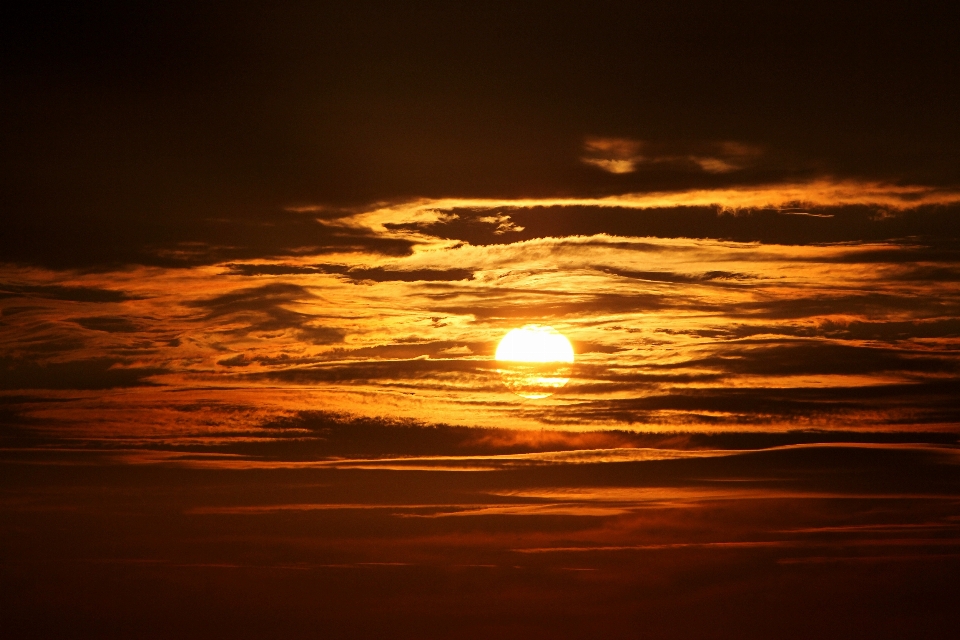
325,436
713,277
51,344
932,249
109,324
424,370
520,304
269,270
318,435
623,155
356,274
853,330
239,360
12,310
929,402
253,299
263,310
408,349
533,306
93,373
928,274
414,275
866,303
852,223
821,357
170,241
61,292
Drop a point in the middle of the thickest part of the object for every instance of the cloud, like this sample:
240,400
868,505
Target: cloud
615,155
239,360
262,310
92,374
816,193
712,277
109,324
821,357
184,241
817,211
892,331
419,372
625,155
318,439
63,292
395,228
355,273
916,403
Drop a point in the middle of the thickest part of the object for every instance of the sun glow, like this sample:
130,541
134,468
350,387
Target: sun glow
535,343
535,360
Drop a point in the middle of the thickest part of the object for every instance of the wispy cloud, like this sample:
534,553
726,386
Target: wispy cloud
626,155
815,193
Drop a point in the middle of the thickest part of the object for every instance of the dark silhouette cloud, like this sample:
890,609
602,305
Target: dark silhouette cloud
361,372
61,292
719,277
263,310
110,324
198,239
819,224
867,303
854,330
94,373
816,357
927,402
334,435
623,155
357,274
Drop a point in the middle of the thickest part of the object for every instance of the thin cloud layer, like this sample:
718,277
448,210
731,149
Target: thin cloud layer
624,155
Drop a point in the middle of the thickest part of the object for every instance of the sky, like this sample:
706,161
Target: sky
255,263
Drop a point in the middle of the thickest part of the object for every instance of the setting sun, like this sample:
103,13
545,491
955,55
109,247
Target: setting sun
535,360
535,343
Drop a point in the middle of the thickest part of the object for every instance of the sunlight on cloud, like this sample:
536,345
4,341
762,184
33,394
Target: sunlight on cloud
672,332
625,155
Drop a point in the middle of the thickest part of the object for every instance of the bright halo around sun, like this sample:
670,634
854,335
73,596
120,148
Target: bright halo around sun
535,360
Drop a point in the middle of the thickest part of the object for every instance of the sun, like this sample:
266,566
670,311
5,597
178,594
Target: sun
535,360
535,343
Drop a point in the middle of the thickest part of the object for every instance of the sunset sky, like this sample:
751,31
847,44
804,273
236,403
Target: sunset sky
255,263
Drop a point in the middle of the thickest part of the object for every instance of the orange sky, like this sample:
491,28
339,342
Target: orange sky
670,333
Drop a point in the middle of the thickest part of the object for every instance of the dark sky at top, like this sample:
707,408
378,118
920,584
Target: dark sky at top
132,126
